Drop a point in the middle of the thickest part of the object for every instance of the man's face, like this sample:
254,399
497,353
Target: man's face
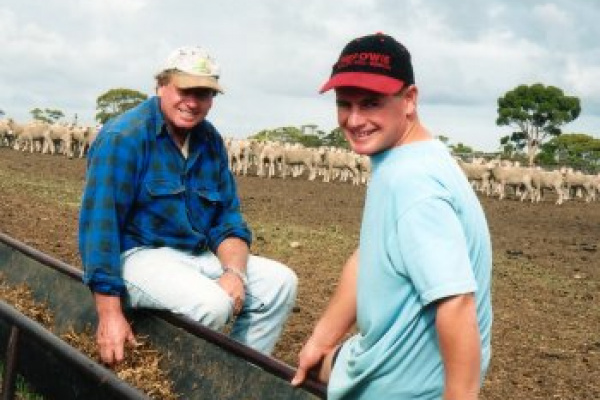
373,122
184,108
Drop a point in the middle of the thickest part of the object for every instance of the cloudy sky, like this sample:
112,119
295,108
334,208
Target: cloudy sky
275,54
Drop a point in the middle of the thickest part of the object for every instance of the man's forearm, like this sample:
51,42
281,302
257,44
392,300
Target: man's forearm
107,305
340,314
233,252
458,336
335,322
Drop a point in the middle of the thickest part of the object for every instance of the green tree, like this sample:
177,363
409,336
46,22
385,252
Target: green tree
48,115
444,139
261,135
461,148
285,134
458,148
336,138
511,144
290,134
577,150
115,102
2,113
310,140
311,136
537,112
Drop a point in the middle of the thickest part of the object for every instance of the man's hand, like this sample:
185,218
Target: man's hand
234,287
113,329
233,254
112,334
311,356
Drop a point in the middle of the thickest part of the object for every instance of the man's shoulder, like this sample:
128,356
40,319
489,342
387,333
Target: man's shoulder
139,119
207,133
130,129
208,130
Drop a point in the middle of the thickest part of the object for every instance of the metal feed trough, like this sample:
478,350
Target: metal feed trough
203,364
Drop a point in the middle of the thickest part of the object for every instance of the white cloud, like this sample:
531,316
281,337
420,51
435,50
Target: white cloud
111,8
552,16
275,55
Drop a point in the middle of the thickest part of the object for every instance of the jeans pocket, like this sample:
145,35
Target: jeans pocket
253,303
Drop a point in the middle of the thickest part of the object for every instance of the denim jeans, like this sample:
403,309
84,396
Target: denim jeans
175,280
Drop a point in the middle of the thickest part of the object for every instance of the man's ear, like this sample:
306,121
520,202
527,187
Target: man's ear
159,90
412,93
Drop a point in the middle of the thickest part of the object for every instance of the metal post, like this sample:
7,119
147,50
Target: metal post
10,375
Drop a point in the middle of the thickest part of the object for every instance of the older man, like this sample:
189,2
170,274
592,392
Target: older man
160,224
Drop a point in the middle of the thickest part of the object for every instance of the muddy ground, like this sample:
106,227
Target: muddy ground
546,287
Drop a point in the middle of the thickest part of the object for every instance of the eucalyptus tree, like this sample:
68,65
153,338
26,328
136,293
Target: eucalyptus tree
116,101
577,150
48,115
537,113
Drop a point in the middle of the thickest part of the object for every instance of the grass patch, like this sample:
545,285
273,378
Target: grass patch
57,191
23,390
328,246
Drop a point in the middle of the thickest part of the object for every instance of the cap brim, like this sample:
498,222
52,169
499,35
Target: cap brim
373,82
188,81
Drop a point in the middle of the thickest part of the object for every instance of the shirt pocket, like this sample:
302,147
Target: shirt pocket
162,188
164,206
210,195
207,207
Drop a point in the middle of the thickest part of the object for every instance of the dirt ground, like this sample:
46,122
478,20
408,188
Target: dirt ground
546,282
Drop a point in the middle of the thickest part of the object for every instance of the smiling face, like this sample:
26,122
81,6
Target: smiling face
184,108
373,122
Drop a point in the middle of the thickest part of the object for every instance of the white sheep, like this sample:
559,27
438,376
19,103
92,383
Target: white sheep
271,154
517,177
31,137
298,157
578,182
478,174
61,136
342,162
542,180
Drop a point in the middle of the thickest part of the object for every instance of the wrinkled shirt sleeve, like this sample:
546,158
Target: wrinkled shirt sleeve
229,222
108,194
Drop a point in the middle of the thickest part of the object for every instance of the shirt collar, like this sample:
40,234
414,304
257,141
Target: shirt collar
159,121
198,134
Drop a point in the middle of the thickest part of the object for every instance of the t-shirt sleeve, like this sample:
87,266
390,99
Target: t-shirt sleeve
434,251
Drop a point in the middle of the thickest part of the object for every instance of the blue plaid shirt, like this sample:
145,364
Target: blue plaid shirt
141,191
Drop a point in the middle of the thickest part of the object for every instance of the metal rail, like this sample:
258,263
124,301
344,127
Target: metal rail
212,346
29,341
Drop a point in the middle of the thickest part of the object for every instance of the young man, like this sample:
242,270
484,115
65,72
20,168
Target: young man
160,224
418,287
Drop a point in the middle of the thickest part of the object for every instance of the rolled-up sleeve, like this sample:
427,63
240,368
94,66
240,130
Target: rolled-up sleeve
107,197
229,222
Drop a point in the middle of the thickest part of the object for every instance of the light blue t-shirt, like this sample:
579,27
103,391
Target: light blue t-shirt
423,237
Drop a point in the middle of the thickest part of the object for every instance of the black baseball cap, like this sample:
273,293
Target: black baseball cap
375,62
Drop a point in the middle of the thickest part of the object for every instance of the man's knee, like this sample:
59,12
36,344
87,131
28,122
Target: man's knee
277,284
213,312
289,284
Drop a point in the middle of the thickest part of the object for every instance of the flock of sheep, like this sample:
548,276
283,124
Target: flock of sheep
39,136
270,158
493,177
265,158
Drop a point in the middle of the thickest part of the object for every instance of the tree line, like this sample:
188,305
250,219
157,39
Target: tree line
536,112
